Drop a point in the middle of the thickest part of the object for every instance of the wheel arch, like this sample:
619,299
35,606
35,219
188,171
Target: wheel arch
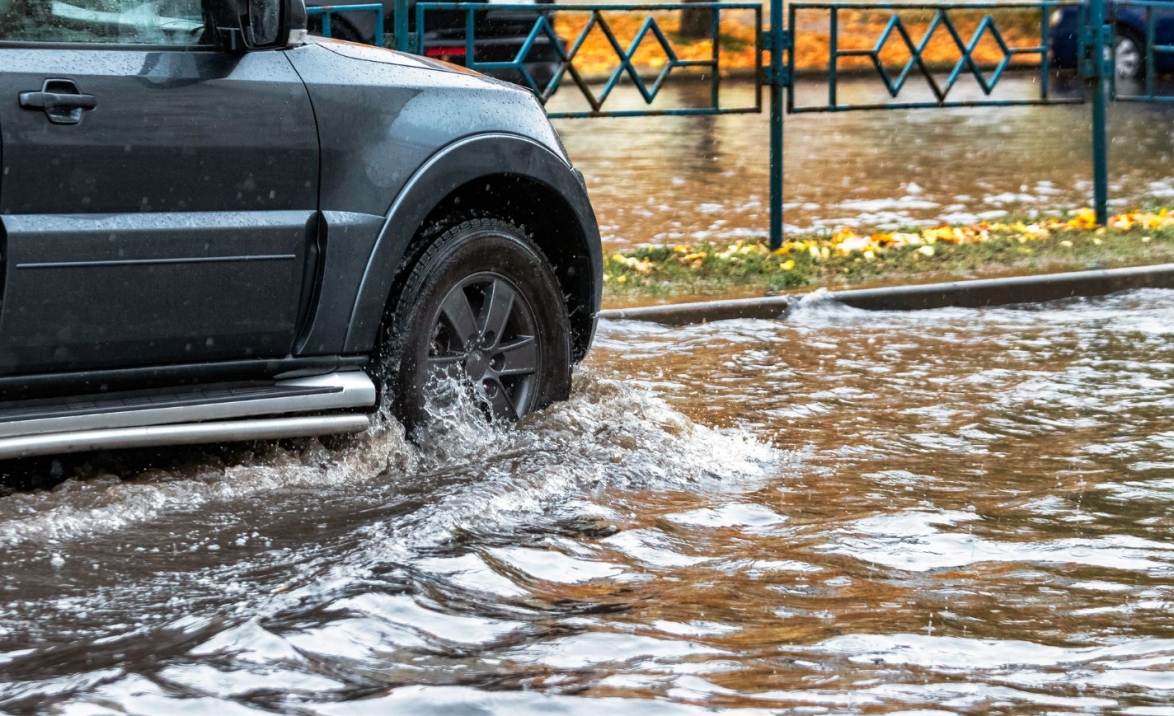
1134,26
500,175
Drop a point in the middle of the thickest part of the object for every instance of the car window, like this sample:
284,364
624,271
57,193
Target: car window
131,22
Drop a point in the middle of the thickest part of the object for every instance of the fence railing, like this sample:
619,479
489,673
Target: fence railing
327,12
941,24
626,69
774,61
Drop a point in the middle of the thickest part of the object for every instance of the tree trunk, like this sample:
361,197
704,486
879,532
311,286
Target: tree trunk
695,23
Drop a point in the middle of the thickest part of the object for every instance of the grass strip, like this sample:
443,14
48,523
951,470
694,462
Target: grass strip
846,258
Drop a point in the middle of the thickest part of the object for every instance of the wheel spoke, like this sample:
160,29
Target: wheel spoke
499,304
460,316
519,357
499,400
445,366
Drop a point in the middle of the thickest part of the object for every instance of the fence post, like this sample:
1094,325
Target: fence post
777,43
402,41
1096,80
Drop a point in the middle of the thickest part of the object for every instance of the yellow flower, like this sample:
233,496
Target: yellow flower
926,251
1084,219
787,265
814,251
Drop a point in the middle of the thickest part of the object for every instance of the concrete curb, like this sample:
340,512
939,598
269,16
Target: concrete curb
965,294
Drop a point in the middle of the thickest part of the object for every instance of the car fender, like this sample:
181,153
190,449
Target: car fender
451,167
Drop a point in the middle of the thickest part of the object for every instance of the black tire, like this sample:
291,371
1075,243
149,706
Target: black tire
481,305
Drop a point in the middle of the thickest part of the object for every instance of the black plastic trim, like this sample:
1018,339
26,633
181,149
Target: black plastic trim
451,167
160,261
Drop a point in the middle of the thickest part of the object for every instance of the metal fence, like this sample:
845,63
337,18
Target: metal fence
624,70
774,66
940,22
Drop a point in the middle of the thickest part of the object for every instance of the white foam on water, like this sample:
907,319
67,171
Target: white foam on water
696,628
552,566
403,610
910,541
652,548
948,653
595,648
730,515
102,505
449,700
469,571
222,684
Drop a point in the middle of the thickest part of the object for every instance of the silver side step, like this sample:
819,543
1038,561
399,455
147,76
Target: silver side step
181,434
316,394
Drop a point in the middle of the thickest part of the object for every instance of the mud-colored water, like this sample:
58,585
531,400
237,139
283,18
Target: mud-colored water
954,510
674,179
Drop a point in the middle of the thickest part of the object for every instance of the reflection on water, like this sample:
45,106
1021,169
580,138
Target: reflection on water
672,179
962,510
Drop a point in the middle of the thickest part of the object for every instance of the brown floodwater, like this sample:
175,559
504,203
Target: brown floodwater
677,179
950,511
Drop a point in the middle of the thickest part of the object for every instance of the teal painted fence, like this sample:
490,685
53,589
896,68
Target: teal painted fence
775,62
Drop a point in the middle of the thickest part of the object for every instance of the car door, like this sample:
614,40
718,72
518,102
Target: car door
158,193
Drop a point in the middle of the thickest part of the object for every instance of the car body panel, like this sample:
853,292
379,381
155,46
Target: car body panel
99,290
383,116
196,169
457,165
379,117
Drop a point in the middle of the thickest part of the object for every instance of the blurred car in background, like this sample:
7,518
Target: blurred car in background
498,36
1129,45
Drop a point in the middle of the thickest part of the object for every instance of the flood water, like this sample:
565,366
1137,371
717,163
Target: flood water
960,511
674,179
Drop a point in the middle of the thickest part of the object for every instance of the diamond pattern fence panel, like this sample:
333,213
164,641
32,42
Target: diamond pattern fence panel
943,28
568,75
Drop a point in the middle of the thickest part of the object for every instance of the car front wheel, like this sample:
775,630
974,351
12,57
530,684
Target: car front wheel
482,310
1128,56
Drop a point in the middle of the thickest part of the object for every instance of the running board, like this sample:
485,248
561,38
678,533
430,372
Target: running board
182,434
182,406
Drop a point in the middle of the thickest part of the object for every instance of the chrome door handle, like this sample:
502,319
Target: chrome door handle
60,100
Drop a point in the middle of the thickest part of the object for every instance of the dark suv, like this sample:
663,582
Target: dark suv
217,229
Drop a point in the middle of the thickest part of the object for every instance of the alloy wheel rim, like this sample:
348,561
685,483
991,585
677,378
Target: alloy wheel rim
1126,58
485,333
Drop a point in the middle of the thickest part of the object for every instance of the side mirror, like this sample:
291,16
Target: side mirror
297,23
264,22
259,24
